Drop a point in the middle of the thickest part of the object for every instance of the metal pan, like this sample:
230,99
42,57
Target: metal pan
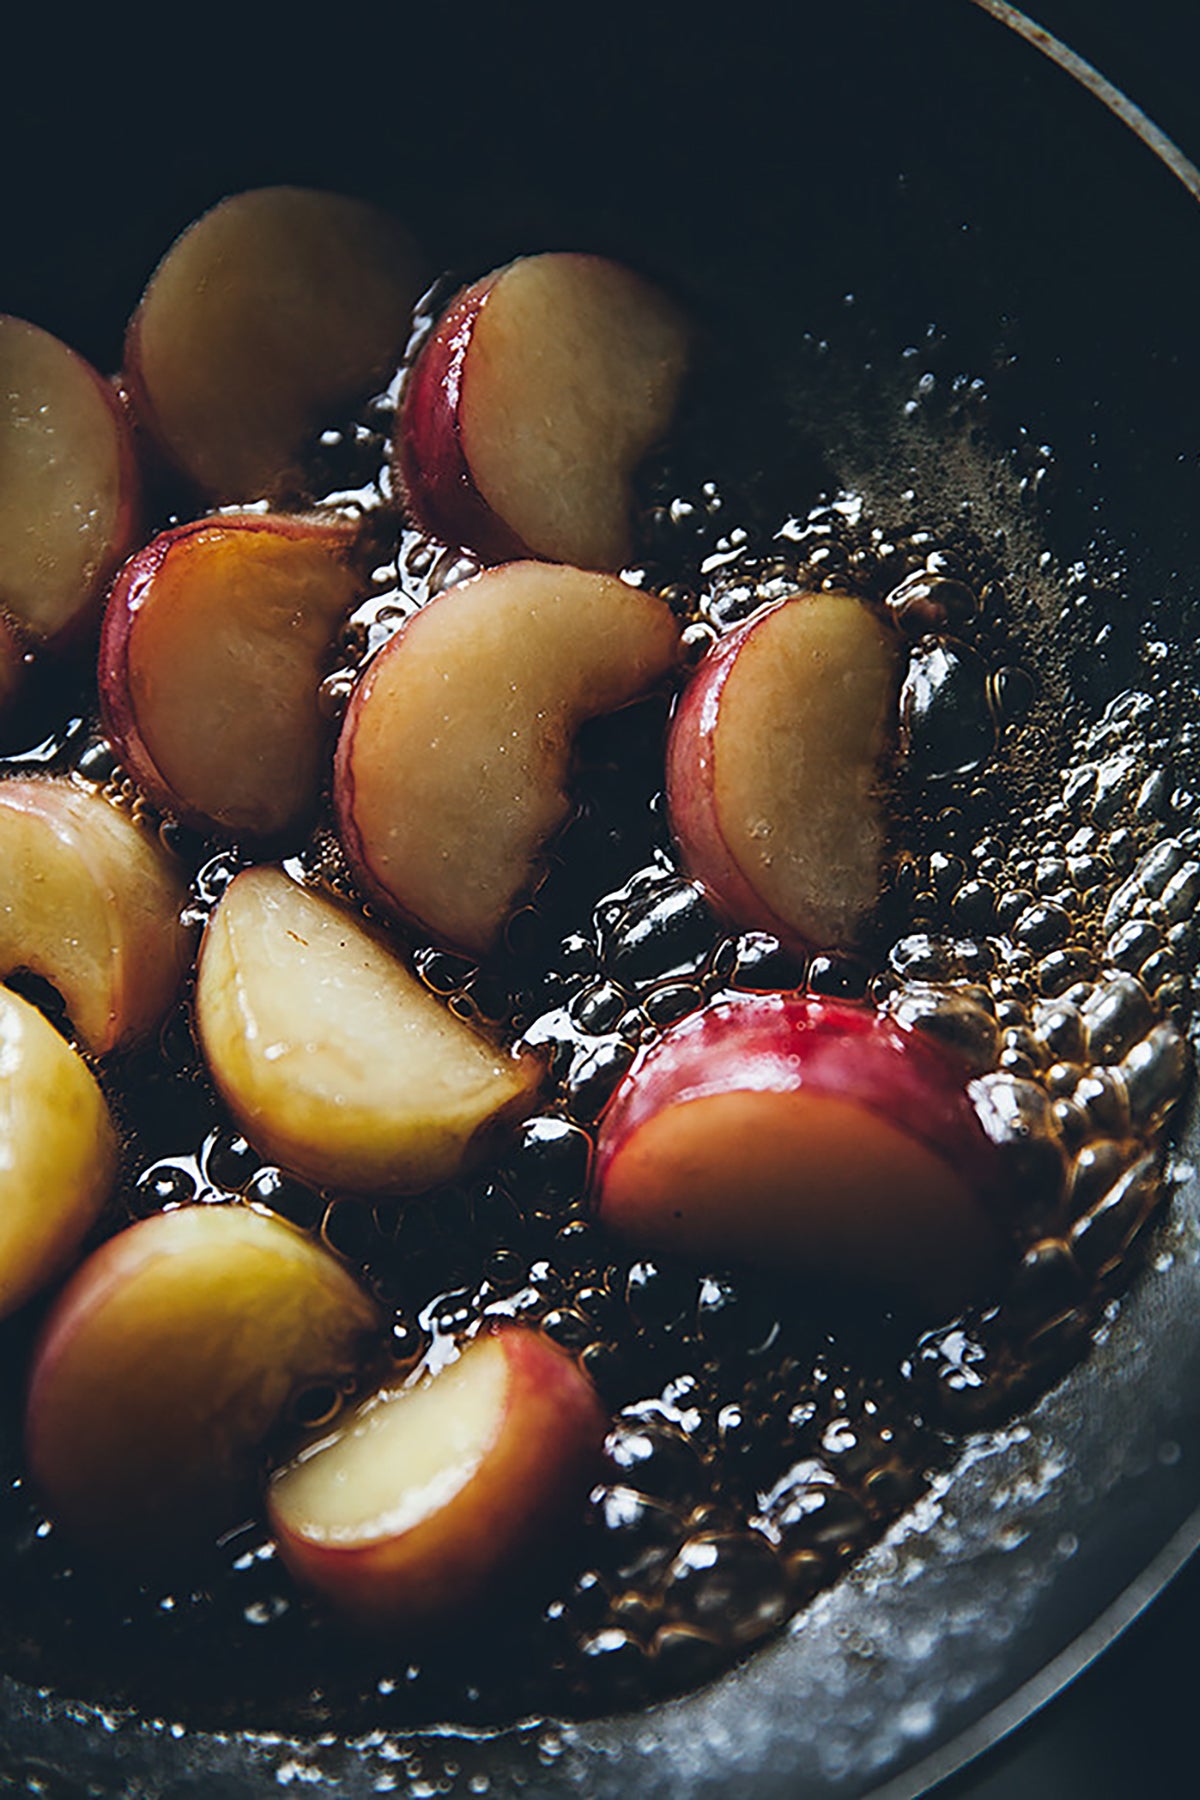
933,161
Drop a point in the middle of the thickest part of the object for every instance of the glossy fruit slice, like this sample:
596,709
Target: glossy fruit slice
335,1058
69,492
91,900
216,639
268,317
454,757
171,1354
530,408
796,1133
426,1499
774,768
58,1152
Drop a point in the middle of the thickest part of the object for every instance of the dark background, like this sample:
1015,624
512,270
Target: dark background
1130,1724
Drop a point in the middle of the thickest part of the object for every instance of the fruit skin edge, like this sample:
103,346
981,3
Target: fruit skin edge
430,469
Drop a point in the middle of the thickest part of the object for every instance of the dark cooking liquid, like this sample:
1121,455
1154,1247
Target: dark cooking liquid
1038,916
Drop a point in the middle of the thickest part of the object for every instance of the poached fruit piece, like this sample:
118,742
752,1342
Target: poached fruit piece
216,639
59,1155
333,1056
91,901
454,756
528,411
789,1132
167,1360
427,1498
70,494
774,765
270,316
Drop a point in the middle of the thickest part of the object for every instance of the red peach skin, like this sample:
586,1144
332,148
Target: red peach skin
801,1133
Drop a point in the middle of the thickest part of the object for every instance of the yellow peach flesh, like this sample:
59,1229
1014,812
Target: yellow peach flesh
809,1180
801,728
459,756
65,477
91,902
572,375
406,1455
334,1056
170,1356
278,306
58,1152
224,668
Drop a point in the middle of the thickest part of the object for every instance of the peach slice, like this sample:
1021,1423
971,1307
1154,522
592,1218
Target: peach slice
58,1152
69,498
167,1360
334,1057
798,1133
455,752
528,411
774,763
276,311
215,642
91,900
428,1497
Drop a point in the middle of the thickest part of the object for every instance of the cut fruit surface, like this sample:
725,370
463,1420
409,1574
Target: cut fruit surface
427,1497
774,768
454,757
69,489
272,314
532,405
335,1058
216,639
58,1152
91,901
796,1133
169,1357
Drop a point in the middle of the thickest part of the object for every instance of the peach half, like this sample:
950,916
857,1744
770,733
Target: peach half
333,1056
91,901
167,1360
426,1498
528,411
58,1152
790,1132
774,768
270,316
454,757
216,639
70,493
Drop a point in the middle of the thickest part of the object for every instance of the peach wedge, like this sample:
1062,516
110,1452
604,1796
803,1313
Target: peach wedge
266,319
426,1498
528,411
90,900
69,497
167,1360
59,1152
216,639
796,1133
775,764
455,753
333,1056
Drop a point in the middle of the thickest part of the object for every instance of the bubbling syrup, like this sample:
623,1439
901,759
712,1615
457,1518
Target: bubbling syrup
1039,916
